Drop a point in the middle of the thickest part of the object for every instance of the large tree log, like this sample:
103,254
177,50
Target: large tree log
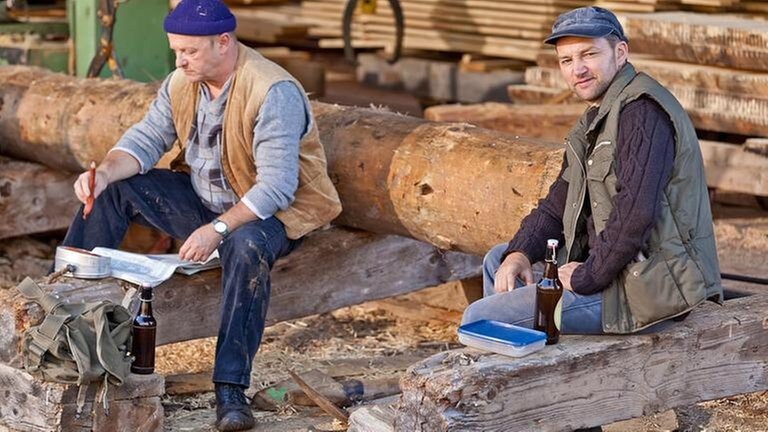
331,269
34,198
454,186
62,121
587,381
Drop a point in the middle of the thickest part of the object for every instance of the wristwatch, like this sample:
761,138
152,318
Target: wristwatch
220,227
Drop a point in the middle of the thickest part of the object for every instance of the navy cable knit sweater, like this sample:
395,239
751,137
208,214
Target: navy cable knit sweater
645,152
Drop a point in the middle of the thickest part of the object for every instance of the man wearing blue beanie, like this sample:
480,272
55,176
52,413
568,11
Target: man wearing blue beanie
630,207
249,178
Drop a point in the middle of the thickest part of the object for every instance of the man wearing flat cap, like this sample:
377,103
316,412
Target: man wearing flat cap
630,207
250,179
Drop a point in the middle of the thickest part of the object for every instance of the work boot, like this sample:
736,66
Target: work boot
232,410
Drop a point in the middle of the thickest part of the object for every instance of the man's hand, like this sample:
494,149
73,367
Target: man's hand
82,189
515,265
117,165
565,272
200,244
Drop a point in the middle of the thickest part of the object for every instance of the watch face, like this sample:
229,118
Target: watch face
220,227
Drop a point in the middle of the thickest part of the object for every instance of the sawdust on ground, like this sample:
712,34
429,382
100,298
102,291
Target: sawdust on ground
365,331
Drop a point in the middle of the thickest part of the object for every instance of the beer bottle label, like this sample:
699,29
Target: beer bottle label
558,315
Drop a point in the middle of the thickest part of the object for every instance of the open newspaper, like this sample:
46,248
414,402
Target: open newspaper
152,270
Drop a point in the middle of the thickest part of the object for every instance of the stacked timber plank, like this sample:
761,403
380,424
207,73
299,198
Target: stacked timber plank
270,24
716,65
510,29
715,6
703,39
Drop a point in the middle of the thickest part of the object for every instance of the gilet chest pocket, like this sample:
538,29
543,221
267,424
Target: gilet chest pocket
600,161
598,168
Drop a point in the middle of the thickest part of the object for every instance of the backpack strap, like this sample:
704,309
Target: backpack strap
43,339
32,291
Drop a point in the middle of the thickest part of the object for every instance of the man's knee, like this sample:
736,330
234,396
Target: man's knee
471,313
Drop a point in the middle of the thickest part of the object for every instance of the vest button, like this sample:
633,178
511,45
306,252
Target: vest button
594,203
589,162
574,205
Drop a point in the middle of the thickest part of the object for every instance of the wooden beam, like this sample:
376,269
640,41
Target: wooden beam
550,122
533,94
730,168
586,381
373,418
34,198
338,267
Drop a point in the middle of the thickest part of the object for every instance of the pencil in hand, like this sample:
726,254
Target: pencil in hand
91,186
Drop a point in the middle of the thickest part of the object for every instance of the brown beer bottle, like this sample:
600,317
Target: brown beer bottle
549,295
144,326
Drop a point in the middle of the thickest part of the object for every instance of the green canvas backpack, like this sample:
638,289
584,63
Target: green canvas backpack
77,343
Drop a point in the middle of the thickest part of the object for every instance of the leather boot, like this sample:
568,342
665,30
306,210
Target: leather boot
232,410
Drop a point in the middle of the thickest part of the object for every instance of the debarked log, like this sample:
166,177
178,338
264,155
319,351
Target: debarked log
331,269
456,186
586,381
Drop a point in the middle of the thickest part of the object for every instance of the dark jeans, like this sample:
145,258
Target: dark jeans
166,200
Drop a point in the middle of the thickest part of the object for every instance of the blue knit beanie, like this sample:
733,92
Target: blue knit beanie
200,18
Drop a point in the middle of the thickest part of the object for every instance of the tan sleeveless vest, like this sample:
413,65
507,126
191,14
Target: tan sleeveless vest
316,200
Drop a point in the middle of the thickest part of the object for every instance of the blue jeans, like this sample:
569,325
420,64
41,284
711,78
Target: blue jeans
581,314
166,200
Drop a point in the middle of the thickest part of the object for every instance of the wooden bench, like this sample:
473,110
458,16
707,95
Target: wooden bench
330,270
587,381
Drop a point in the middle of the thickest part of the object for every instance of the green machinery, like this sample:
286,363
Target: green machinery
138,50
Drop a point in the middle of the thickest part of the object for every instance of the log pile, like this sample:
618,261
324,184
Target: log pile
395,174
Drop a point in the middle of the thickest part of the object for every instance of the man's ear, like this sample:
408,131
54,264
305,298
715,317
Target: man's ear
622,52
223,39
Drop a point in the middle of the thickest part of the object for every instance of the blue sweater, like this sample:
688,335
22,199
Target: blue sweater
645,153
